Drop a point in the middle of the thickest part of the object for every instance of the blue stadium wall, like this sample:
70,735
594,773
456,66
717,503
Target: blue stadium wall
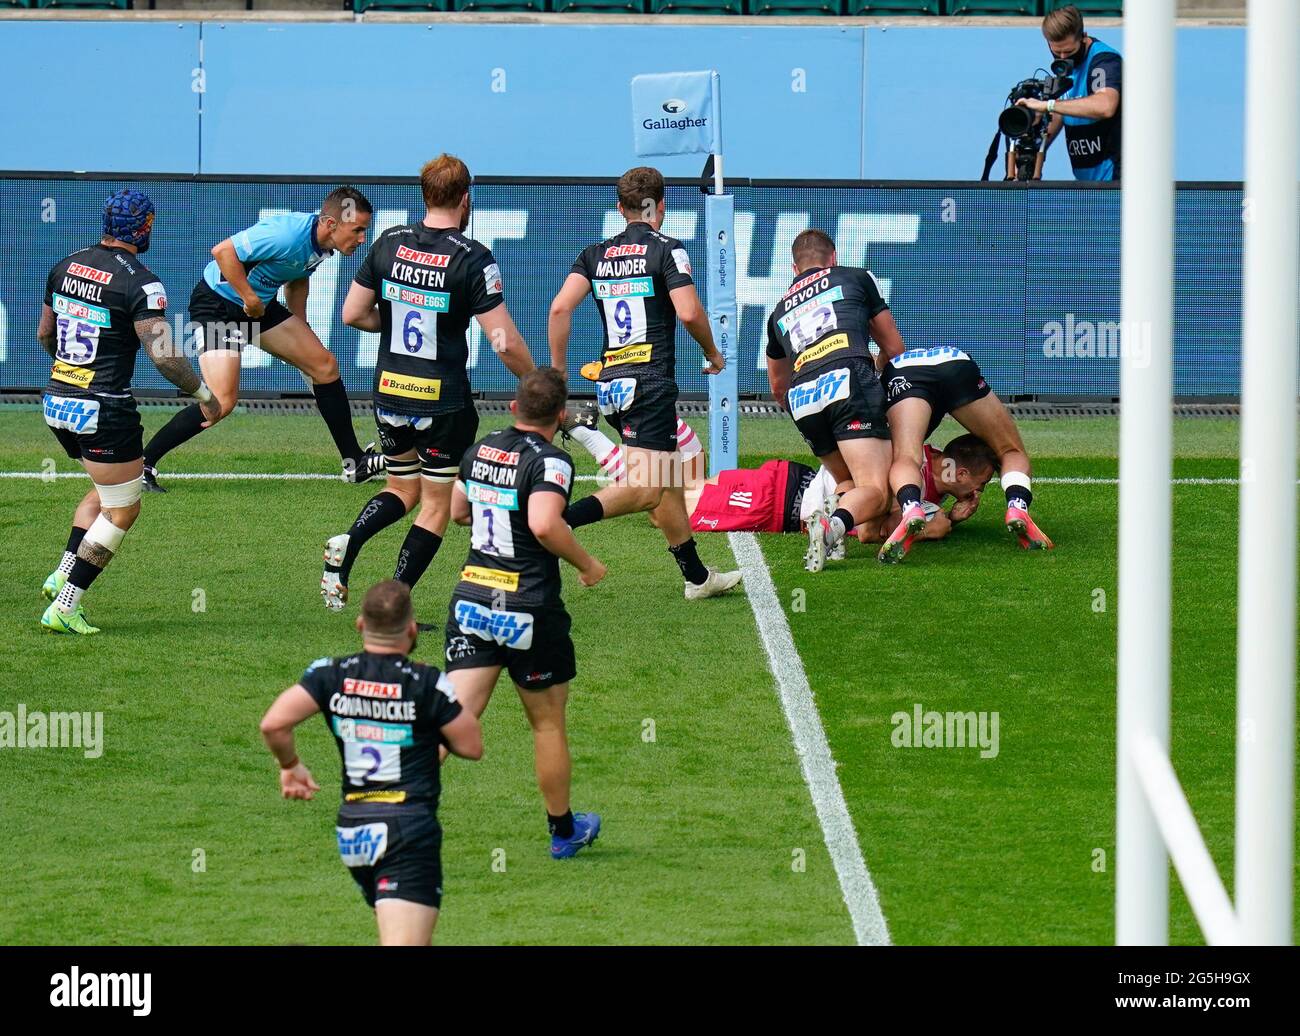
1026,279
816,102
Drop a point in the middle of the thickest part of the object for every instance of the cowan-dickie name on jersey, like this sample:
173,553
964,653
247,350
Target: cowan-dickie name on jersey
386,714
98,294
822,319
500,473
631,275
428,283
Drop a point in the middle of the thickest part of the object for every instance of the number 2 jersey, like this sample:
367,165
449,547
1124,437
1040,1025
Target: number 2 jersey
631,275
98,294
429,283
822,319
386,713
500,474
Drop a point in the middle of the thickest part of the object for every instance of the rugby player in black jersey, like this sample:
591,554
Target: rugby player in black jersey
390,717
922,387
418,287
506,611
821,370
641,281
101,304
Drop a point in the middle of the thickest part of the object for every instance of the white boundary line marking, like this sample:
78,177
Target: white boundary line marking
869,927
297,476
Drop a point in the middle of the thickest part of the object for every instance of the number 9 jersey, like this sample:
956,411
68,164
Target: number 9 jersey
428,283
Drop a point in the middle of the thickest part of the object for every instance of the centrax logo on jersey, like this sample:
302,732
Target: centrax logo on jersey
510,629
814,396
423,258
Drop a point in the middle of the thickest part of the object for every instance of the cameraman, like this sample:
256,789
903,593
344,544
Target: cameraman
1089,110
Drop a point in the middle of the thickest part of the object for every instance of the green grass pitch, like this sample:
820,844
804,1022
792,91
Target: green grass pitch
677,731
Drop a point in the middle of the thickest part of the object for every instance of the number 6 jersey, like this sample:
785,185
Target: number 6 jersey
428,283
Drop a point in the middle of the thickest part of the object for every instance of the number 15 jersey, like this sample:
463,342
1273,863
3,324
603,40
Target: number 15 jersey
429,283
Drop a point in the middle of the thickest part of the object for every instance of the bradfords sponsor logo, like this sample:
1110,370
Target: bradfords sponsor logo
90,273
618,251
92,989
633,286
423,258
371,688
510,629
496,456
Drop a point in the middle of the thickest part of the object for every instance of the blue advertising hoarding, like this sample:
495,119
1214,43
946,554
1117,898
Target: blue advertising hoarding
1027,280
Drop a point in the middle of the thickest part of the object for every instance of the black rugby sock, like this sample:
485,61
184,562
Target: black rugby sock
417,551
74,539
332,402
1019,496
688,560
183,427
379,513
586,511
561,827
908,495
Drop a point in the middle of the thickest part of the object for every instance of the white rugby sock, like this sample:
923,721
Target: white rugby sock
608,453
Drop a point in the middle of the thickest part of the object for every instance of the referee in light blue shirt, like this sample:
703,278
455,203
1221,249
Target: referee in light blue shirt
234,305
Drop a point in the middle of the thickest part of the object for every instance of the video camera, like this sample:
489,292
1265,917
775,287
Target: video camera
1024,130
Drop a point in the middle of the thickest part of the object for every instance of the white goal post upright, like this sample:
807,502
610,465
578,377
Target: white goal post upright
1266,584
1145,459
1153,820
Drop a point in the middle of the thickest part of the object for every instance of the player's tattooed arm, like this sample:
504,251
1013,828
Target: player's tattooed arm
46,332
155,335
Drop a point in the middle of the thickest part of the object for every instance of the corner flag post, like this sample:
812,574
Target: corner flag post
692,102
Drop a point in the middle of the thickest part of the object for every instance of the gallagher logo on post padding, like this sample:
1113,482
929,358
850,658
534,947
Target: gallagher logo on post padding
673,106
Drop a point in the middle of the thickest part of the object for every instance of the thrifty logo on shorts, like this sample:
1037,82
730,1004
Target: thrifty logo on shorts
639,353
437,301
79,376
492,577
362,846
815,396
509,629
821,350
634,287
410,386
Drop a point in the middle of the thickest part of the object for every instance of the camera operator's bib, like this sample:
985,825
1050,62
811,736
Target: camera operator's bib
1093,144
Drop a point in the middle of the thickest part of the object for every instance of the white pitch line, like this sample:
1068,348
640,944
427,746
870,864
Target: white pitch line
869,927
297,476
